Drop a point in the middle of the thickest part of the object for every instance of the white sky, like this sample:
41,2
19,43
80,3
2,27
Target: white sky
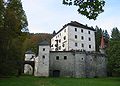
44,16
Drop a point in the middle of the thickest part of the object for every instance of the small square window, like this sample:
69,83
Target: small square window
60,41
76,29
89,46
65,57
64,49
57,57
76,44
52,45
91,60
89,39
82,30
43,49
65,30
63,45
88,32
82,45
81,58
75,36
59,47
82,37
64,37
43,57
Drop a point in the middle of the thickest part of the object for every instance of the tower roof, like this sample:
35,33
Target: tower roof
29,52
43,43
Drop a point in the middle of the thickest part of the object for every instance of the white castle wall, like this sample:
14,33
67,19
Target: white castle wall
66,39
42,62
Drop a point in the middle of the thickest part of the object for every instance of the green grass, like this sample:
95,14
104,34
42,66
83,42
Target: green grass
35,81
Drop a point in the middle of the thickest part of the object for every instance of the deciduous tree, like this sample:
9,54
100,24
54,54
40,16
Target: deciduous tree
89,8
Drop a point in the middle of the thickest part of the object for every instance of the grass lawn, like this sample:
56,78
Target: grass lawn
35,81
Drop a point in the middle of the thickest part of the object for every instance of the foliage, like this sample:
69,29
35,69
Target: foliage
98,36
114,56
35,81
115,34
31,43
12,21
114,52
89,8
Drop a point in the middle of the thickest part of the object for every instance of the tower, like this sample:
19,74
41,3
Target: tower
42,61
102,45
29,56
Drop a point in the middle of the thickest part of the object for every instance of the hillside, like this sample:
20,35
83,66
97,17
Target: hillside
31,42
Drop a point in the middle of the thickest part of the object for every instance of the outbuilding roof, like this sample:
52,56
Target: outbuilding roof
44,43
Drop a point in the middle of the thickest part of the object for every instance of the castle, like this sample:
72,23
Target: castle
71,54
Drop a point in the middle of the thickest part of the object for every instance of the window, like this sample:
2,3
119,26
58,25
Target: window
64,38
43,57
65,57
60,41
59,47
75,36
81,58
64,49
76,44
43,49
82,30
63,45
89,46
52,45
91,60
89,39
57,57
76,29
88,32
82,45
82,37
65,30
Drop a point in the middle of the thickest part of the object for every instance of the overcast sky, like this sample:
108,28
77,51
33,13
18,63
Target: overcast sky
44,16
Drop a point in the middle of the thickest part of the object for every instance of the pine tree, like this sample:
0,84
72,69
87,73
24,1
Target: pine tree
98,36
115,34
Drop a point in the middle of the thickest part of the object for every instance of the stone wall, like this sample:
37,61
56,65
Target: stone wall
77,64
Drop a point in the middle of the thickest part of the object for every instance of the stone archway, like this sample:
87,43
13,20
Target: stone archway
30,63
28,69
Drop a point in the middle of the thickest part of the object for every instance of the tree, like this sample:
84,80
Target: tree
115,34
113,52
89,8
98,36
106,38
13,20
31,43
